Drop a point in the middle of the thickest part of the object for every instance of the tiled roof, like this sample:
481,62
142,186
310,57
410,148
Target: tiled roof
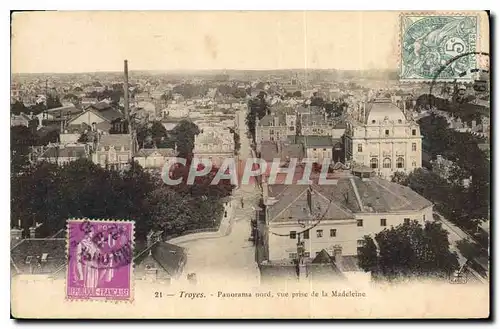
166,152
312,141
115,140
111,114
375,194
65,152
293,204
278,119
26,257
269,151
169,256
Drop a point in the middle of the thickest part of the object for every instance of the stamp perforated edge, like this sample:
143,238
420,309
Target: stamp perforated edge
132,265
431,13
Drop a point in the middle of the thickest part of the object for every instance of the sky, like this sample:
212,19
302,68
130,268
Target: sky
66,42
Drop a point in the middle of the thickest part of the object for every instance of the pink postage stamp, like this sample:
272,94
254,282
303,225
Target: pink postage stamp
100,260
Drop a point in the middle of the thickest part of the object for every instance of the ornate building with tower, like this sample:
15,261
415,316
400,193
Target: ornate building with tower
382,137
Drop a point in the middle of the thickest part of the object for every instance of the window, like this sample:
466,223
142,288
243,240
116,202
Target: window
314,150
387,132
293,234
361,243
360,147
414,164
407,221
373,121
44,257
400,121
400,162
292,255
383,222
307,254
413,146
324,150
387,163
333,233
272,138
374,163
225,213
271,132
306,235
414,132
292,128
319,233
360,222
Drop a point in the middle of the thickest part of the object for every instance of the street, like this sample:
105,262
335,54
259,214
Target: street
231,257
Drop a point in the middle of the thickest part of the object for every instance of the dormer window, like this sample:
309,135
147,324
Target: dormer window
373,121
387,132
414,132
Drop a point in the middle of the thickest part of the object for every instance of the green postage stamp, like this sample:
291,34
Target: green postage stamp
437,47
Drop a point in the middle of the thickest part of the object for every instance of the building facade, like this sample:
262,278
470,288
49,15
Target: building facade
383,138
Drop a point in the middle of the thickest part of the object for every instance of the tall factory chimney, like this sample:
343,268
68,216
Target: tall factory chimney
127,107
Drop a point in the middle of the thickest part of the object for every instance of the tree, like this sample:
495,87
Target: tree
53,102
400,177
21,139
367,255
409,250
183,135
258,107
297,93
18,107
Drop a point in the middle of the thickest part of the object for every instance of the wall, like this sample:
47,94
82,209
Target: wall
348,233
281,246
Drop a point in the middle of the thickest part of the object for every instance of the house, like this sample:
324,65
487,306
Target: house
113,150
45,257
159,261
335,217
315,147
275,127
63,154
20,120
214,144
154,158
100,113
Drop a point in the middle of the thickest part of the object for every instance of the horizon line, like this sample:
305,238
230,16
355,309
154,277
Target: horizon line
209,70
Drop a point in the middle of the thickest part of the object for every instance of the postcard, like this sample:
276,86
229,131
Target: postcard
250,165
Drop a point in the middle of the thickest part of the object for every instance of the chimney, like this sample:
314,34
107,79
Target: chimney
33,229
337,254
265,191
16,233
127,105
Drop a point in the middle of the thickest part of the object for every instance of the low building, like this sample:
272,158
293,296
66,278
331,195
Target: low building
275,127
214,144
335,217
315,147
113,151
63,154
159,261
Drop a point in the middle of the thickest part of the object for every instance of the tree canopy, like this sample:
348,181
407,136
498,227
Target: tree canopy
408,250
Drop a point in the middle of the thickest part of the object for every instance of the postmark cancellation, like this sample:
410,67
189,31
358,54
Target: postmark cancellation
100,260
428,42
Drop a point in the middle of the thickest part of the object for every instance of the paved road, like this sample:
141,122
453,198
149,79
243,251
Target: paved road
230,257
